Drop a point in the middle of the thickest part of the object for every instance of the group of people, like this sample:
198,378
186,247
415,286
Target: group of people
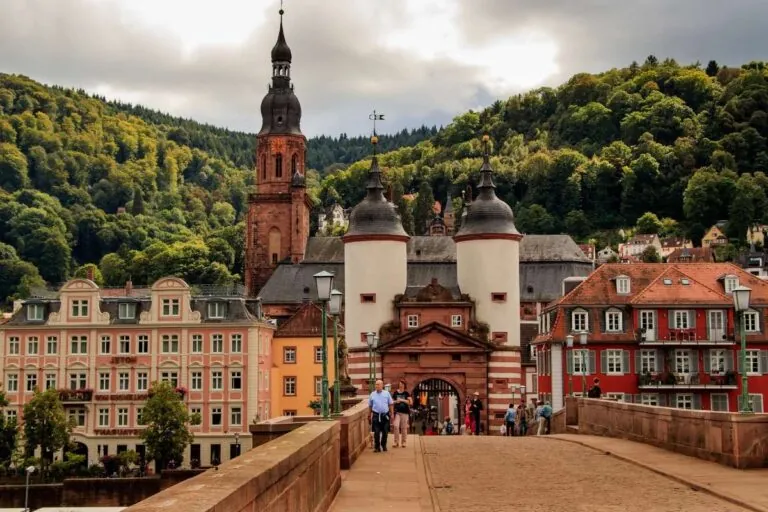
393,410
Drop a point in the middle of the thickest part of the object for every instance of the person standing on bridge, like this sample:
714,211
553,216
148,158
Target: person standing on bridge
475,407
595,391
380,404
403,405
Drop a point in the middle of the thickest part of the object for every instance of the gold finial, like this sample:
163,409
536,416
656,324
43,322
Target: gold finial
374,140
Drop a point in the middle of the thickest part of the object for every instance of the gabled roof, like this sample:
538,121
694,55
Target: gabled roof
692,255
642,239
307,323
454,341
675,287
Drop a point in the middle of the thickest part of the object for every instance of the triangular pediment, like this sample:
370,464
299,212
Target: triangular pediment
307,322
435,337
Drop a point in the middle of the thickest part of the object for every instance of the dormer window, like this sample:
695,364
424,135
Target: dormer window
217,310
79,308
622,285
731,282
171,307
579,321
126,311
35,312
613,321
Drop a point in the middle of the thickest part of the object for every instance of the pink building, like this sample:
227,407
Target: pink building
103,349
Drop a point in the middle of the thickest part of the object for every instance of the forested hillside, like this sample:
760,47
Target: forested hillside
140,193
686,143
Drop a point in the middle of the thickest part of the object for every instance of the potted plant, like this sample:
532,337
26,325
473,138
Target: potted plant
315,405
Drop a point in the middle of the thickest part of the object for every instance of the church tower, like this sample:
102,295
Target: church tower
278,213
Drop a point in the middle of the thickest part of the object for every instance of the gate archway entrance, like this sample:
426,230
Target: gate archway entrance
434,400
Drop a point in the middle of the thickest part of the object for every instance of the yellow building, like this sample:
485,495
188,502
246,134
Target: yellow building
297,357
715,236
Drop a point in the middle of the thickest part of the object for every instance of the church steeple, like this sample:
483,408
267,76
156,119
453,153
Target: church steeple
281,55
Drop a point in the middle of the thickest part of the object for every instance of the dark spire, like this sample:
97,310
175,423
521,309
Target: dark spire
281,52
448,204
486,171
374,184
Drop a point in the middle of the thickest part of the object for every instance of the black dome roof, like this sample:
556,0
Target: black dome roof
374,215
487,214
281,52
280,112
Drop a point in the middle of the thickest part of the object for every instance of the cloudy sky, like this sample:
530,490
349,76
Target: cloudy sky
419,61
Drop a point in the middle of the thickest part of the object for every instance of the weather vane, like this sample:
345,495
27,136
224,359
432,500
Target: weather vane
375,117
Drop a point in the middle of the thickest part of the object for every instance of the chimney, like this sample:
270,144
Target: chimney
569,283
128,288
89,273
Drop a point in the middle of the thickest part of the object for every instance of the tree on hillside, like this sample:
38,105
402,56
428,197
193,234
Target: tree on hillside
423,208
535,219
650,255
82,273
9,430
403,207
138,202
46,426
648,224
167,434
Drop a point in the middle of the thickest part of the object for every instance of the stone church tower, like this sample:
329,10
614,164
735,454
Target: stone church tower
278,213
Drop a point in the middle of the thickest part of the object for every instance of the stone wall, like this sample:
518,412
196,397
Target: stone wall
299,472
355,430
731,439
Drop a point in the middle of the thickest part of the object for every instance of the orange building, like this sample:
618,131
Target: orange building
297,368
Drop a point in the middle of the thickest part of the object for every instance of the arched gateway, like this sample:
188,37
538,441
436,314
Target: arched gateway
434,400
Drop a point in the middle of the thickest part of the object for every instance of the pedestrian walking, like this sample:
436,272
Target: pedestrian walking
509,420
546,411
380,404
475,407
595,391
539,418
522,419
468,427
403,403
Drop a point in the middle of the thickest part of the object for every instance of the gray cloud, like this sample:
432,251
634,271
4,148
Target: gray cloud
340,71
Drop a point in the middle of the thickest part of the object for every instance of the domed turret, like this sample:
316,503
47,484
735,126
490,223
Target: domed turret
281,52
487,214
374,215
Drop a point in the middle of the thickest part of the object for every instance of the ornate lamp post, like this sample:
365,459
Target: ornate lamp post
370,338
237,444
29,471
741,305
324,285
334,306
584,362
569,344
522,394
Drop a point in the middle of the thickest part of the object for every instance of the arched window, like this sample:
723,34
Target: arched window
264,167
278,165
294,163
275,240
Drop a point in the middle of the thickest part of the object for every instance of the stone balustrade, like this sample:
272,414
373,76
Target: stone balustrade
732,439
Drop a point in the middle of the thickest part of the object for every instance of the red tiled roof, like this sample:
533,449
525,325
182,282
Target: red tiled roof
692,255
588,250
674,241
676,287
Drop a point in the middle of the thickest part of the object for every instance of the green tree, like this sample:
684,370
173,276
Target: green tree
423,208
82,273
748,207
167,419
8,434
650,255
45,426
577,224
535,219
648,224
137,208
403,207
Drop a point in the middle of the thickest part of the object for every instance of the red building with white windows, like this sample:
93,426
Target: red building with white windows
656,334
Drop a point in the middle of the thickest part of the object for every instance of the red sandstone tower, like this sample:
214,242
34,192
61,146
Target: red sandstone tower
278,213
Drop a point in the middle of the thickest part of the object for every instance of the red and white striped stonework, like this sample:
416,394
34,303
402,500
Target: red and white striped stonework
358,364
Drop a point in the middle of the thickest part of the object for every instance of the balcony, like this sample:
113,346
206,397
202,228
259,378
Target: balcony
69,396
693,380
687,337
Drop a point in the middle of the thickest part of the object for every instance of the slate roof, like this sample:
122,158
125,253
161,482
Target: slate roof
330,249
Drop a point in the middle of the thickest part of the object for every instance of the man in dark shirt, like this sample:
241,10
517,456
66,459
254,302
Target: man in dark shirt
403,405
474,408
595,390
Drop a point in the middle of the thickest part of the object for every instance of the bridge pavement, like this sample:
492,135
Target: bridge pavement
538,474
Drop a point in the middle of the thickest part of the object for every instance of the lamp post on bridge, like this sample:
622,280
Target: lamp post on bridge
741,305
334,305
324,285
569,345
370,339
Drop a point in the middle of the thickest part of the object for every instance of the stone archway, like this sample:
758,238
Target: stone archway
436,398
79,448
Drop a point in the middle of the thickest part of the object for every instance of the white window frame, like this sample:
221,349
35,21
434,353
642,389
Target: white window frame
236,374
217,380
14,345
170,376
122,417
171,307
196,381
236,416
30,382
35,312
318,386
105,381
52,342
236,343
139,419
580,362
683,399
289,386
104,417
142,381
647,361
731,282
412,321
79,343
614,321
10,415
217,343
456,321
612,355
712,402
289,351
78,380
197,344
752,356
170,344
51,380
124,381
217,310
679,316
716,361
760,400
79,308
622,285
683,360
126,310
142,344
579,320
318,354
12,383
77,416
33,345
105,344
751,321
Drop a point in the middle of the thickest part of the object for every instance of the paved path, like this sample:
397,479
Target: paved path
748,487
392,480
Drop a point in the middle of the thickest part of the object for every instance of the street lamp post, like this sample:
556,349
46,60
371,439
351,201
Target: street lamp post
741,305
375,344
522,394
324,285
334,306
584,362
237,444
569,344
370,338
30,470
